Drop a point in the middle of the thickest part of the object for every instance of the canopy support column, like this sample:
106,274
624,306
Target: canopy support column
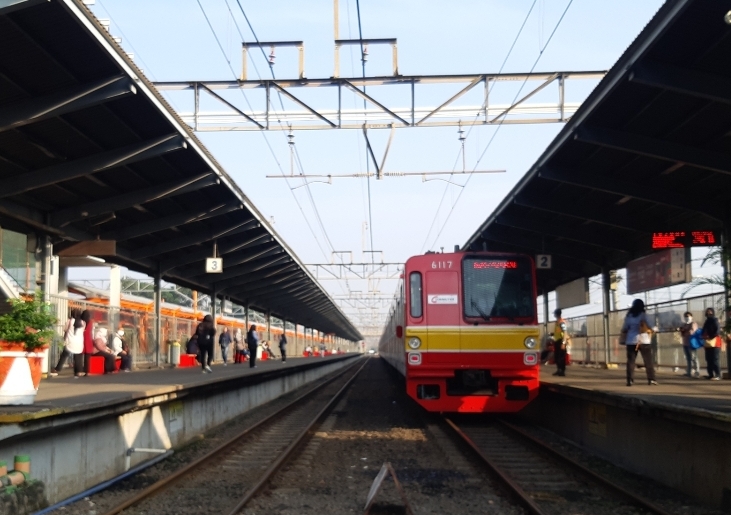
726,262
606,286
158,321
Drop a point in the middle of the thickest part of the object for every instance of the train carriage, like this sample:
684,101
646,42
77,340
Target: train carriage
463,331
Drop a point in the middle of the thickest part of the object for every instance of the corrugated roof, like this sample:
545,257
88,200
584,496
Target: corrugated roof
89,149
648,151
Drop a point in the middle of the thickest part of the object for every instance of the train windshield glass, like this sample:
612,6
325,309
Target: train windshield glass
496,289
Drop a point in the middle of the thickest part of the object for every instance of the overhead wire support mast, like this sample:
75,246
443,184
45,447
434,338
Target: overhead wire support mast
377,115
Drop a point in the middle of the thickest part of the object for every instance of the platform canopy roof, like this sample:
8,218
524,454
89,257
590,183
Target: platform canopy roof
648,151
89,150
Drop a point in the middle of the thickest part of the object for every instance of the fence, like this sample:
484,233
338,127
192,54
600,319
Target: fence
139,328
587,332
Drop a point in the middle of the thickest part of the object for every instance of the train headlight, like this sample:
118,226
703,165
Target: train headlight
530,343
414,342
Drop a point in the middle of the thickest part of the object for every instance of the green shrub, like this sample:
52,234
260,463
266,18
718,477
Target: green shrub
30,321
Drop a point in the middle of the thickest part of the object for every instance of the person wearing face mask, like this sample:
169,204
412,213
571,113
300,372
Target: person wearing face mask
712,347
691,357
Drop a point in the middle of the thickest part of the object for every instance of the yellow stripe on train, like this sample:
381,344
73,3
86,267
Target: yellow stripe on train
470,338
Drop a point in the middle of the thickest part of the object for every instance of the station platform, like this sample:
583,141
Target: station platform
688,398
64,395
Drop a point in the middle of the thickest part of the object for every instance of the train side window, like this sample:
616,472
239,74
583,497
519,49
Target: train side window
415,295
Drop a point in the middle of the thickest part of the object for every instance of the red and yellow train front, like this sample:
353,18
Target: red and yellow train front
471,332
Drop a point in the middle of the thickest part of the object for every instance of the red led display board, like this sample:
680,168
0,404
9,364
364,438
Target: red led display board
482,265
684,239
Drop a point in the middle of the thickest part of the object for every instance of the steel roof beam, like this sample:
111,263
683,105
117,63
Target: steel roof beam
645,191
537,244
231,284
89,165
290,285
71,99
253,266
233,265
134,198
187,240
601,216
271,280
681,80
223,248
586,236
167,222
655,148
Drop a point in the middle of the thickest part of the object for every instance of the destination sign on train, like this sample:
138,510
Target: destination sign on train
682,239
482,265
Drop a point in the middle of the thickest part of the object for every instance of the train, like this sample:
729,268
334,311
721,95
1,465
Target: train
463,331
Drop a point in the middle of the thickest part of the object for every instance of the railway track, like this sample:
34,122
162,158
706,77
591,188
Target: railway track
224,480
546,481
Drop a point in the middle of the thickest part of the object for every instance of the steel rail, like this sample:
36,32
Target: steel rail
543,446
275,466
517,489
165,482
637,499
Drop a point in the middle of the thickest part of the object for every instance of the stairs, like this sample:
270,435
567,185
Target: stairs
9,289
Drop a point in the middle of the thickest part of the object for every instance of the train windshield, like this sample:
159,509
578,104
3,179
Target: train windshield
497,288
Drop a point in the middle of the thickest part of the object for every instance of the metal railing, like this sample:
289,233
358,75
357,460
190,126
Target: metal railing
587,332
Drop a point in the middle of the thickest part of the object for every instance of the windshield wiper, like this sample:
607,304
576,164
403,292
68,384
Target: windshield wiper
484,315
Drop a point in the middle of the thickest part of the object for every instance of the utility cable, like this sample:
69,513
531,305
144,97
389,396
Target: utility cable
502,120
365,132
271,150
472,125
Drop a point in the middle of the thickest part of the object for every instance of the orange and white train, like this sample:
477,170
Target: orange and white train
463,330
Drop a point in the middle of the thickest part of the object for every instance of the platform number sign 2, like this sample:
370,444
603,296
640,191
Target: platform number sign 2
214,265
543,261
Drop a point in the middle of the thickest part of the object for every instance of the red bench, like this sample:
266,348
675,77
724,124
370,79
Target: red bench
96,365
188,360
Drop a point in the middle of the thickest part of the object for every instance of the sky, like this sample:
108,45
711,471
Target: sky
172,41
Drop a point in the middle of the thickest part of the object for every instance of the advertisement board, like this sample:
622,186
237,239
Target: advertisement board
575,293
664,268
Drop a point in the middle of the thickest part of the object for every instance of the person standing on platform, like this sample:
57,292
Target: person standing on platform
88,340
206,332
73,338
560,341
638,338
691,357
239,347
712,347
283,347
121,350
252,340
225,342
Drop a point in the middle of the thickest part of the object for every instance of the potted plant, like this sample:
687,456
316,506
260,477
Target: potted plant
24,333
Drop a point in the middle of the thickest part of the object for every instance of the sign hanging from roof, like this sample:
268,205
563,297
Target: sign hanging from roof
664,268
682,239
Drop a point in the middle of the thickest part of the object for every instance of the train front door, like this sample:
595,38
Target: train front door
443,315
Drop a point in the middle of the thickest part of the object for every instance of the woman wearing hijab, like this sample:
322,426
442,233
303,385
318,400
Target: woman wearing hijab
206,332
712,347
88,340
638,338
73,339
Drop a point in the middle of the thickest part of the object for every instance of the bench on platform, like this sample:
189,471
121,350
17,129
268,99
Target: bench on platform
96,365
188,360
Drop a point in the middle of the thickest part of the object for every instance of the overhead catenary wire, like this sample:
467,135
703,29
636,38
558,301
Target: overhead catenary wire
298,160
472,125
502,120
365,132
266,139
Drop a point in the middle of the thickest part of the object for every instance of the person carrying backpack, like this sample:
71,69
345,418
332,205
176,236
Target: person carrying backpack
252,340
712,347
206,332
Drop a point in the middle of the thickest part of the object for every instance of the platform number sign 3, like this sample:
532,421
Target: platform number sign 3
543,261
214,265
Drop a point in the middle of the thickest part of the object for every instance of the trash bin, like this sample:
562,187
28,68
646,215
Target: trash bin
175,354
